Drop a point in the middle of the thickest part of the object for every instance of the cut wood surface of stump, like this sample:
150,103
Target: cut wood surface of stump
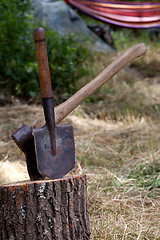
47,209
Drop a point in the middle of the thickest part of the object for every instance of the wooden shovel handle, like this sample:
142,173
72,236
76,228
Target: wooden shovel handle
42,60
69,105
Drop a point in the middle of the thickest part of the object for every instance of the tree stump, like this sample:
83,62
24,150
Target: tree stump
47,209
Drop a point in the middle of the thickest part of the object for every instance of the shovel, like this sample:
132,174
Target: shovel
23,137
54,145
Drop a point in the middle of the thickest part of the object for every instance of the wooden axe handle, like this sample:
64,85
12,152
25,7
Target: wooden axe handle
62,110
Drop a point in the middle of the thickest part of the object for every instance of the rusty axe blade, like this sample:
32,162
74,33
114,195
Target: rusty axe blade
68,106
54,145
25,141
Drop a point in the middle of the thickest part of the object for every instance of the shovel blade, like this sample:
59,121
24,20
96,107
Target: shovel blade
57,166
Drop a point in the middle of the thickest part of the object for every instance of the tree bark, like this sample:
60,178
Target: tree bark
47,209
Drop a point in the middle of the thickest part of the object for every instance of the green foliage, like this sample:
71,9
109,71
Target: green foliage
18,65
16,42
66,57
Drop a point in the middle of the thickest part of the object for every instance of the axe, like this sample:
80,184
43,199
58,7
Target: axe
23,137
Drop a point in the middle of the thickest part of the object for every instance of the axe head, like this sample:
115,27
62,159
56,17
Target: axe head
24,139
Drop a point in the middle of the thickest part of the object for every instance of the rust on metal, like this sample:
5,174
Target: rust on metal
59,165
25,141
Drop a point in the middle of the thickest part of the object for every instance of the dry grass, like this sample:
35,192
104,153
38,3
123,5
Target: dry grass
118,208
114,134
12,161
107,151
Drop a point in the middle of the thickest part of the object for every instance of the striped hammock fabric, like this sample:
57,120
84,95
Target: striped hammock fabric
124,14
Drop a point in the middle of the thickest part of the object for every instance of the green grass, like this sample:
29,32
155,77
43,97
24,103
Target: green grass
147,175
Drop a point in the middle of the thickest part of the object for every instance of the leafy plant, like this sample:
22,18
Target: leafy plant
18,64
66,58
